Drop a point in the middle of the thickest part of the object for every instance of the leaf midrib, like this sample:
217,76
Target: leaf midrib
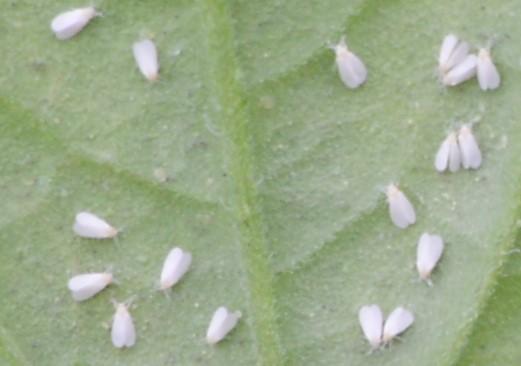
253,242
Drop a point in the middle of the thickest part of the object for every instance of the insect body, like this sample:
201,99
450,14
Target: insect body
350,67
66,25
223,321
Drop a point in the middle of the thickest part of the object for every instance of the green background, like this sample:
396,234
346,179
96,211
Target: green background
274,178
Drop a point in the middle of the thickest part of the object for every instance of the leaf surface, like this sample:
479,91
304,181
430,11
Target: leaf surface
250,153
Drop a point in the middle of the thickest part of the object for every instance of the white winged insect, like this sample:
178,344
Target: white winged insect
350,67
145,54
488,76
400,208
448,155
175,266
452,52
88,225
428,253
470,152
462,72
123,332
379,333
223,321
371,322
85,286
396,323
66,25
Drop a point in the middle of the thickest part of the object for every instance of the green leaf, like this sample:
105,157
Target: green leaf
250,153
